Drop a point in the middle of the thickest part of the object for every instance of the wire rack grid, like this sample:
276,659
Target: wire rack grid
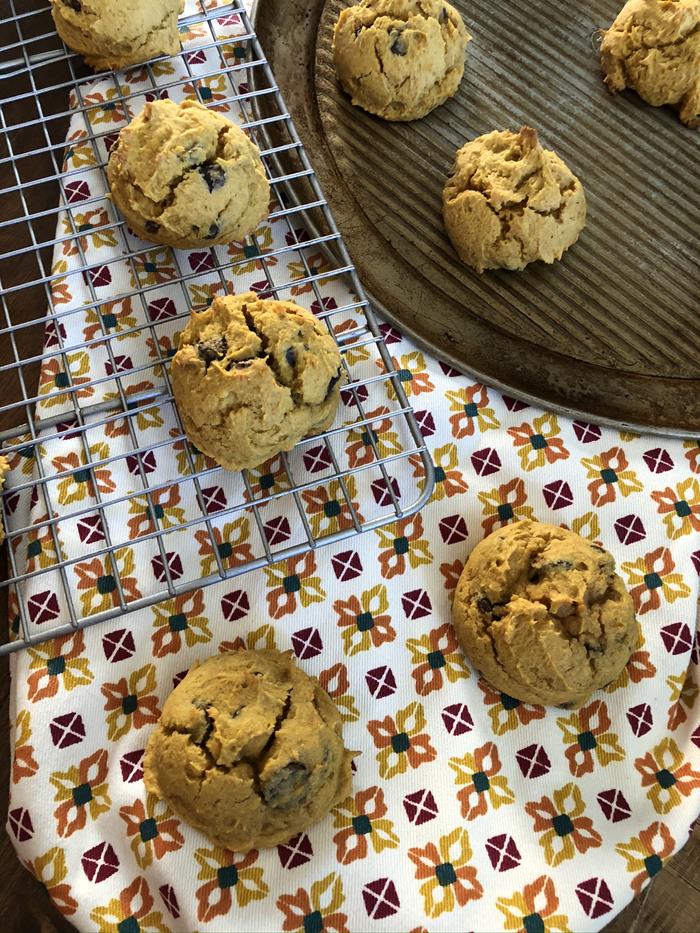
107,507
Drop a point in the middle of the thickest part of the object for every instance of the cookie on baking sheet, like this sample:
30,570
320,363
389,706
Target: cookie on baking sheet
252,377
510,202
4,468
653,47
185,176
116,35
542,614
399,59
249,750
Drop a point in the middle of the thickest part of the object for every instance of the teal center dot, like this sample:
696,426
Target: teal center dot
682,508
401,545
225,550
652,581
665,778
445,874
178,623
562,825
130,925
109,321
250,251
471,410
34,548
405,375
148,830
109,106
313,270
106,584
82,795
61,380
149,267
331,509
365,621
267,481
158,511
538,442
505,512
653,865
436,659
27,453
608,476
227,876
239,52
291,584
205,93
481,782
361,825
439,475
313,923
508,702
368,437
83,228
587,741
400,743
533,923
129,704
56,666
82,476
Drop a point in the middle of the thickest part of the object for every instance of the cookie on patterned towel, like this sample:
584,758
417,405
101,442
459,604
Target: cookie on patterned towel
249,750
252,377
185,176
4,467
543,615
653,47
116,35
510,202
399,59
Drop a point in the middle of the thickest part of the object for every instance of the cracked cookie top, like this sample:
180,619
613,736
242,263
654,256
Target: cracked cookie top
653,46
186,176
252,377
542,613
249,750
510,202
399,59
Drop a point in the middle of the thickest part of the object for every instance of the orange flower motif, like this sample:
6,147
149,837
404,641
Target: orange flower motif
291,579
361,819
564,830
81,790
328,507
448,878
364,622
452,572
680,508
57,664
90,236
263,637
646,852
97,579
410,372
231,546
472,411
587,735
164,503
401,741
638,668
435,654
41,546
651,576
667,775
84,479
51,870
505,712
56,376
242,250
449,481
534,908
227,875
504,504
400,543
112,317
60,293
23,763
318,264
152,268
210,89
539,442
483,782
336,683
269,478
152,828
693,455
80,153
346,333
684,695
106,108
315,910
132,910
610,473
184,451
131,705
359,440
177,621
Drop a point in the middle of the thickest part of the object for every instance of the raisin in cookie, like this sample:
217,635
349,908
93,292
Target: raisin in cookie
399,59
543,615
653,47
185,176
4,468
249,750
117,35
251,378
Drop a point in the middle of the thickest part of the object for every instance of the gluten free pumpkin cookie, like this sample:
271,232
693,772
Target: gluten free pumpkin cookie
249,750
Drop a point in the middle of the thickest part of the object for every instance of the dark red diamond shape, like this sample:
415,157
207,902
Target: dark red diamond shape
558,495
486,461
533,761
43,607
261,289
695,653
65,429
614,805
629,529
298,851
514,404
21,824
695,558
318,459
301,235
179,677
353,393
174,566
77,191
416,604
90,529
595,897
640,719
381,682
52,332
381,899
34,498
110,140
167,895
277,530
100,862
390,333
380,491
658,460
235,605
327,304
448,370
232,19
11,500
677,637
119,645
346,565
425,422
420,807
453,529
214,499
148,463
131,766
196,58
503,852
307,643
695,737
121,364
161,308
587,433
457,719
67,730
201,262
99,277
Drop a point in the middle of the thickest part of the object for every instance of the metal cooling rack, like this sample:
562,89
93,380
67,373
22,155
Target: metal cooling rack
37,76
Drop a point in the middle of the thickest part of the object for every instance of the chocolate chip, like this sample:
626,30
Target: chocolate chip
291,357
212,350
238,364
290,783
398,46
213,175
74,5
572,705
213,232
552,567
358,30
152,226
443,16
484,605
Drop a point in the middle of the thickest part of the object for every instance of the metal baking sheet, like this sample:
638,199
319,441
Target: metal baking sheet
610,333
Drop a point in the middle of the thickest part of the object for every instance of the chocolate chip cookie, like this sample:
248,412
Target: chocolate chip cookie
543,615
252,377
185,176
249,750
399,59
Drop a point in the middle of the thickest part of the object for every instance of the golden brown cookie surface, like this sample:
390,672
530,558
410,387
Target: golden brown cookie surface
543,615
249,750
